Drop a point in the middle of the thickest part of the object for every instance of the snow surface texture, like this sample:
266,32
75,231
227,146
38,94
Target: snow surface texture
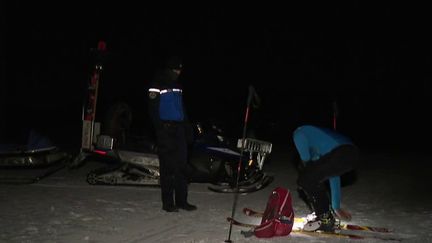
390,191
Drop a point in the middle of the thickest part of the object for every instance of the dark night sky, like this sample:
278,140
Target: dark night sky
373,59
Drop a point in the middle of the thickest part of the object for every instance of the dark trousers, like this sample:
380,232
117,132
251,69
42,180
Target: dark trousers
172,153
313,177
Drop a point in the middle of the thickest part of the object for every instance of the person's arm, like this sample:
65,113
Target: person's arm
188,126
153,106
335,189
302,146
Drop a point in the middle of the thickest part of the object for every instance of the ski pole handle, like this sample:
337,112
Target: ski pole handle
335,114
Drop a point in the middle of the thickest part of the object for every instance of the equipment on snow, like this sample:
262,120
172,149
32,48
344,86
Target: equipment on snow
339,233
278,217
213,159
28,161
252,96
132,160
342,230
300,221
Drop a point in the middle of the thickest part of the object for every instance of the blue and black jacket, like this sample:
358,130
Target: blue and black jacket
166,100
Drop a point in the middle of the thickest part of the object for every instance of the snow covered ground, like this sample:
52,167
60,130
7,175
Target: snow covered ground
391,190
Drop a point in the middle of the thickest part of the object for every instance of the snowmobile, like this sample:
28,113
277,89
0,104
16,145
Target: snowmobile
214,159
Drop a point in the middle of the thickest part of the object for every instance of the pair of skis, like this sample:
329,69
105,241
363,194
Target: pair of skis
343,231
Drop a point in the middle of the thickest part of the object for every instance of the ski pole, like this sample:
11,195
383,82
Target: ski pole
335,114
249,100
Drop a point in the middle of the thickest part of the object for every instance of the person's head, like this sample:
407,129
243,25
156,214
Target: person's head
175,63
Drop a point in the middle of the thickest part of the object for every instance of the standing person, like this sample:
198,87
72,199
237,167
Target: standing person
326,155
169,118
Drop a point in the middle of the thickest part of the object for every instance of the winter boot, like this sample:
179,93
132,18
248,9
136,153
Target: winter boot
324,222
186,206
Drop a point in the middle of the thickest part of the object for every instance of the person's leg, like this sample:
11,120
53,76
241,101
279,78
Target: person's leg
314,190
312,179
181,172
310,182
315,174
166,170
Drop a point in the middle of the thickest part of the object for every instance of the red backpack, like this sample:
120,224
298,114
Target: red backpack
278,218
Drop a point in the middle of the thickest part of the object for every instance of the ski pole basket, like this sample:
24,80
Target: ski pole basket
255,146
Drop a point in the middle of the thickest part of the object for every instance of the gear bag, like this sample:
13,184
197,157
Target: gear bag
278,217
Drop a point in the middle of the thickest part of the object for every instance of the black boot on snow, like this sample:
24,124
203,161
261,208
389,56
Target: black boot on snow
324,222
187,206
170,208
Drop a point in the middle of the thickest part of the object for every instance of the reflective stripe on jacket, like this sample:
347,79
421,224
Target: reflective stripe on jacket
170,104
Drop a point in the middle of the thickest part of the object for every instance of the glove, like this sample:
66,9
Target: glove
343,214
189,132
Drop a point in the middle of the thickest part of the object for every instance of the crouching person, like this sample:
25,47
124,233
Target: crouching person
326,155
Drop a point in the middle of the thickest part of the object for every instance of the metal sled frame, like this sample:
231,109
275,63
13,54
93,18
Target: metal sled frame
257,148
